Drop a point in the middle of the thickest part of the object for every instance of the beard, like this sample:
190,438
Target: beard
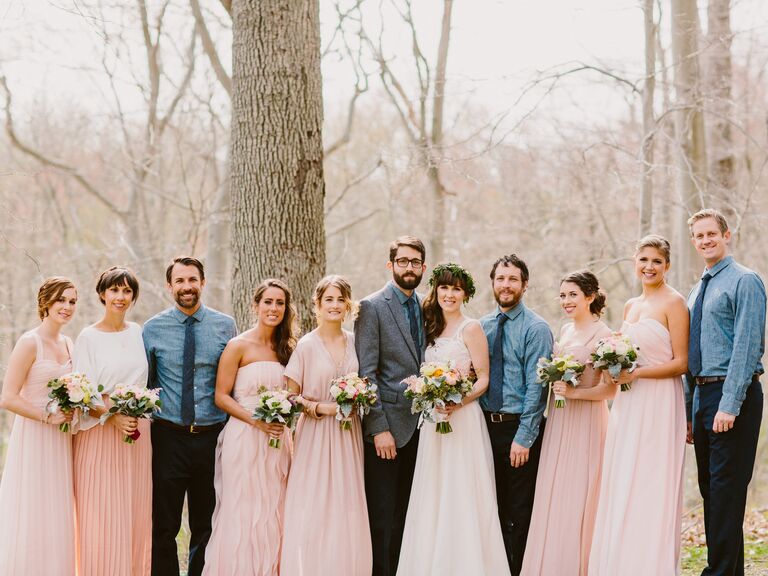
190,303
508,300
407,280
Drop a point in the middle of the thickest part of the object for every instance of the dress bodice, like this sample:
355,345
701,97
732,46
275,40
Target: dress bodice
451,348
43,369
652,339
253,376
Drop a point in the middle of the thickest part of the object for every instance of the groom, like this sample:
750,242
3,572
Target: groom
389,338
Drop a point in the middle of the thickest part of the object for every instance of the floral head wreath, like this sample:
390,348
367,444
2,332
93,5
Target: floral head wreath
457,272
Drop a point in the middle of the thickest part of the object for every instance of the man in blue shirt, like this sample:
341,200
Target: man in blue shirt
183,345
515,401
727,341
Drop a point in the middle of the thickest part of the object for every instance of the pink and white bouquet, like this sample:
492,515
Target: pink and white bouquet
352,392
437,385
616,353
72,391
135,401
559,369
277,406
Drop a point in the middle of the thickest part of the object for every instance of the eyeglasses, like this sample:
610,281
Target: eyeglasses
414,262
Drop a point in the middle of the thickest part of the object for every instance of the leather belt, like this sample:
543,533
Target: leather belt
704,380
497,417
191,429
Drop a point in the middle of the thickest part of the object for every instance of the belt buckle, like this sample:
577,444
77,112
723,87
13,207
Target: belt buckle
496,417
192,429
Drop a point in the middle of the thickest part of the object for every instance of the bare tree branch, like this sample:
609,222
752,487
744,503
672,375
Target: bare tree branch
351,184
210,48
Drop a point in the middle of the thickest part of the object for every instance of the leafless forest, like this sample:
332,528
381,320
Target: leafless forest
567,166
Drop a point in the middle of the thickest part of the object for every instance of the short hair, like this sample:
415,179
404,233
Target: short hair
411,242
117,276
344,287
513,260
708,213
655,241
590,286
50,291
185,261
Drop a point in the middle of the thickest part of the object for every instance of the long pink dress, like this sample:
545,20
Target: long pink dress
250,486
113,480
36,503
637,532
326,517
568,482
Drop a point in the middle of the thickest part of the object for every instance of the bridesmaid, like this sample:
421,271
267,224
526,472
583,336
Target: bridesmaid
568,481
113,480
36,506
250,476
326,519
637,531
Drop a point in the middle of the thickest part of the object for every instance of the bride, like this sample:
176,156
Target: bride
452,525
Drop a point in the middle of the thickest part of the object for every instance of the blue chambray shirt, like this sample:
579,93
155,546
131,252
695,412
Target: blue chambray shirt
732,330
402,298
164,343
527,338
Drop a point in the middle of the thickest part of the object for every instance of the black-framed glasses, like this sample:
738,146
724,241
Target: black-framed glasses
414,262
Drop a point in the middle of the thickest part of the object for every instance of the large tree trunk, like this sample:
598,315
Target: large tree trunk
649,88
691,158
277,154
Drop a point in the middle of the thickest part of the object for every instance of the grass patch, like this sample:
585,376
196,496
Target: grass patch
694,559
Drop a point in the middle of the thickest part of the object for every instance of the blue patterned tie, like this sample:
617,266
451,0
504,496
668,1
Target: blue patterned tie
188,374
414,325
694,348
496,384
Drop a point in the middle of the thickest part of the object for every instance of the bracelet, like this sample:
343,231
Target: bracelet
46,417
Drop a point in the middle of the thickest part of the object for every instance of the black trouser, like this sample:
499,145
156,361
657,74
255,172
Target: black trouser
387,491
514,488
182,463
725,462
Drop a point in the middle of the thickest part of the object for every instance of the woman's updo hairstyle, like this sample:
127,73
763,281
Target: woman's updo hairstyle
588,284
344,287
50,291
655,241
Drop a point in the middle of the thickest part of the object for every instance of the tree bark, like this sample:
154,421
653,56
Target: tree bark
649,88
277,185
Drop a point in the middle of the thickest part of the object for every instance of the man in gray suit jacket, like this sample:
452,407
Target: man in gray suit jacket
389,338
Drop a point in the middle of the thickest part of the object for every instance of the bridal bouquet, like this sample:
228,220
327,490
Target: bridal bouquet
277,406
615,353
438,384
352,392
72,391
135,401
559,368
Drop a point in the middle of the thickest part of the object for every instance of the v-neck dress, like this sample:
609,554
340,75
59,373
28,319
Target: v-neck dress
326,518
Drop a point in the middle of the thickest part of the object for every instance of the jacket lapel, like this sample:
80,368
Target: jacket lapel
399,316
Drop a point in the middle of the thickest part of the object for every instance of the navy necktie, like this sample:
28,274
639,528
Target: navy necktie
414,325
694,350
188,374
496,384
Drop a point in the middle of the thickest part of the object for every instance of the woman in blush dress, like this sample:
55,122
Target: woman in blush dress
113,479
568,481
250,476
36,505
637,531
326,518
452,526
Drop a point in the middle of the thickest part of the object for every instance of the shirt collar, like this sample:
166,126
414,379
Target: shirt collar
181,317
513,313
724,263
401,296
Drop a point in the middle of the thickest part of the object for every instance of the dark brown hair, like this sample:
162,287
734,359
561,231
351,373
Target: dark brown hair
285,335
185,261
511,260
433,314
588,284
411,242
50,291
117,276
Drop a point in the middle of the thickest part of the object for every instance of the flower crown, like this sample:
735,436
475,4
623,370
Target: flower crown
457,272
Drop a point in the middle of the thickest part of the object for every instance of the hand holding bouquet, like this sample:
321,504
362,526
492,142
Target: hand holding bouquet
438,384
133,401
559,369
277,406
616,353
352,392
72,391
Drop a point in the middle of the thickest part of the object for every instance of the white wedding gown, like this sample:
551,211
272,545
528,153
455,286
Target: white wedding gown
452,526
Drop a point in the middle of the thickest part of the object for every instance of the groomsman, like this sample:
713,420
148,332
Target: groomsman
515,401
389,338
183,345
727,340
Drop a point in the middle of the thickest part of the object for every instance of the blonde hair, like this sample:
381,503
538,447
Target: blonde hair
655,241
709,213
343,286
50,291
